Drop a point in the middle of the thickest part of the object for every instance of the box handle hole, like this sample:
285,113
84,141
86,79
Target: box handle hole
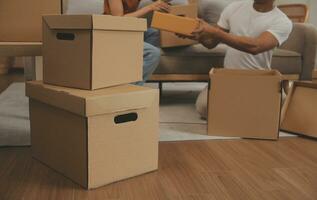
130,117
181,15
65,36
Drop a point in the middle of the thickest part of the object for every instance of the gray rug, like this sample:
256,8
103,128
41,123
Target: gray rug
14,116
179,120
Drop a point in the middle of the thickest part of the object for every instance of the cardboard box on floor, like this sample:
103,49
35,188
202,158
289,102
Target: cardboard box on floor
95,137
170,39
174,24
92,51
244,103
299,113
21,21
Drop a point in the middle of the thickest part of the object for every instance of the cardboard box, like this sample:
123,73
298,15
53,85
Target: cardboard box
92,51
95,137
244,103
174,24
170,39
21,21
299,112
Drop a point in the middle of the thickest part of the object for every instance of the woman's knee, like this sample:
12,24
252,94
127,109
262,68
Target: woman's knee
151,52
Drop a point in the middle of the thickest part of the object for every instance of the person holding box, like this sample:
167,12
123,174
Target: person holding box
251,29
129,8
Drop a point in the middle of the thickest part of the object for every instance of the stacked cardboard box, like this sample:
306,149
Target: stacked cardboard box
86,121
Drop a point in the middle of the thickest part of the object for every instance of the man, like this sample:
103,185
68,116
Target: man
151,55
251,29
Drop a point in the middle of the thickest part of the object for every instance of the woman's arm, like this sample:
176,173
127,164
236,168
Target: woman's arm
116,8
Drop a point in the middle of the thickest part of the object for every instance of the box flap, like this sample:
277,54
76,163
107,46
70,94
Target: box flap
300,109
90,103
245,72
96,22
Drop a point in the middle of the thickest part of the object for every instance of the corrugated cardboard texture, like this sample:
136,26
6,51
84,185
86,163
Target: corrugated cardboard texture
170,39
175,24
67,63
90,103
21,21
122,59
244,103
96,150
299,114
132,149
59,139
80,57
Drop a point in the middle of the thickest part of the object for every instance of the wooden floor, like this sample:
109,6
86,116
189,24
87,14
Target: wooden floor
206,170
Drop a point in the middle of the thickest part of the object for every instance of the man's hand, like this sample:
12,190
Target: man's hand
207,40
204,34
204,28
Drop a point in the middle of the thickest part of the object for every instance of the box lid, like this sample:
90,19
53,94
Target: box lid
95,22
90,103
300,109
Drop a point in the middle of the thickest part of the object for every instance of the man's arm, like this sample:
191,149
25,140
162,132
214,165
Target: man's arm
208,41
266,41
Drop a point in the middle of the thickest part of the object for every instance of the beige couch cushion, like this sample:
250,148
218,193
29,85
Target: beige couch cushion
197,59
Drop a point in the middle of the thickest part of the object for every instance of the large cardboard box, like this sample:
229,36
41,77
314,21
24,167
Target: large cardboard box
92,51
21,21
174,24
95,137
299,113
244,103
169,39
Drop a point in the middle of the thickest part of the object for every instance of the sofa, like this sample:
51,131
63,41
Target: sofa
295,59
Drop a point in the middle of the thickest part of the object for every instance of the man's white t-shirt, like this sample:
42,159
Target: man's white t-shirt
241,19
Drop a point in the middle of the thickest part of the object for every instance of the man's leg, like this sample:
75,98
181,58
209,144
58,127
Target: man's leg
202,102
151,59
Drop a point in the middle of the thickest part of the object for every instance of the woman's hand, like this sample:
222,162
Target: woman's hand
159,6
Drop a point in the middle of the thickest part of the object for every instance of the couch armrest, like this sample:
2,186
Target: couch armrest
303,40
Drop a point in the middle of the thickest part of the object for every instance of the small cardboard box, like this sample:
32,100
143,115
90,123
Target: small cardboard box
21,21
174,24
95,137
170,39
92,51
244,103
299,113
